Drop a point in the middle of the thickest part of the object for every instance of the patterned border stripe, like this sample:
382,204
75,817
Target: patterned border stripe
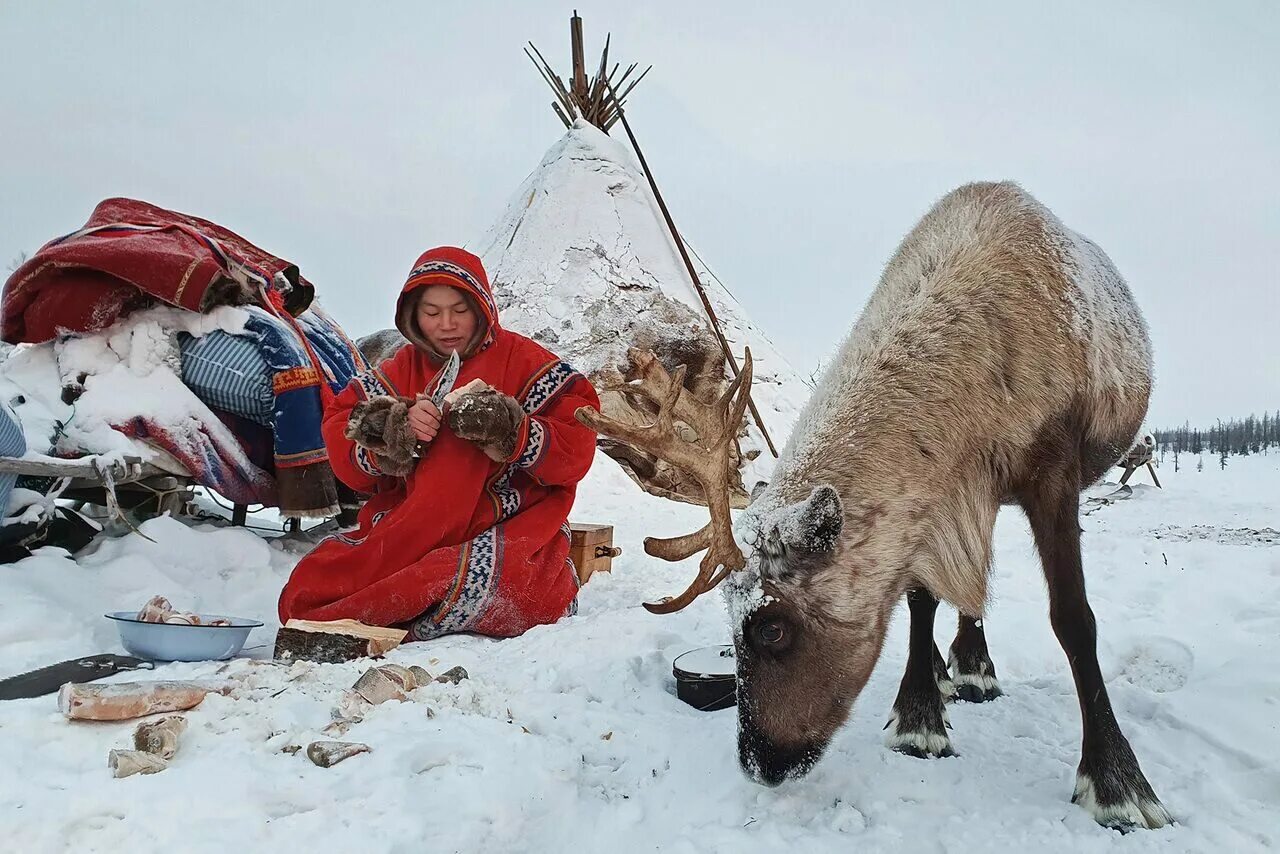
479,572
355,541
508,497
534,447
461,273
295,378
370,384
546,384
364,460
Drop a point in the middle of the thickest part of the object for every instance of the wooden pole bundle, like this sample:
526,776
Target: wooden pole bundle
593,99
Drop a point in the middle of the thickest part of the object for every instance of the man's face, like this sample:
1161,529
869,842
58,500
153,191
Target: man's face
446,319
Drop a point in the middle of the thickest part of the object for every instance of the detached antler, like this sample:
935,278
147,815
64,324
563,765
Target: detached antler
708,460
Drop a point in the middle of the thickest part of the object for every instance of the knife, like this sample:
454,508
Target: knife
46,680
448,376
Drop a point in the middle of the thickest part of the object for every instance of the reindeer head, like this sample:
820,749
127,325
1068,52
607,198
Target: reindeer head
805,641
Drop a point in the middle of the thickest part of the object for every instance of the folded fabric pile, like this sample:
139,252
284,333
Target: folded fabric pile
178,335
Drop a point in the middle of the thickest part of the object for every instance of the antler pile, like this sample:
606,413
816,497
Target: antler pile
708,460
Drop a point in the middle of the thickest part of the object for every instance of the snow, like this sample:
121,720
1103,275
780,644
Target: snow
131,368
572,737
582,261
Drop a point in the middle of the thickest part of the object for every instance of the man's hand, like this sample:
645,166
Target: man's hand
424,419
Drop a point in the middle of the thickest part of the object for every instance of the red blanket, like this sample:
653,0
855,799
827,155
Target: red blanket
129,253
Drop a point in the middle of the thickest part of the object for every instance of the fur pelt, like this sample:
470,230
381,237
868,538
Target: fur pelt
488,418
381,425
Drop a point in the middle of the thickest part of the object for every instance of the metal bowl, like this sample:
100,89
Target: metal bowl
172,642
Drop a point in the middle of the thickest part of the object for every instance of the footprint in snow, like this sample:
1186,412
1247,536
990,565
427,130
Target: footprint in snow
1158,664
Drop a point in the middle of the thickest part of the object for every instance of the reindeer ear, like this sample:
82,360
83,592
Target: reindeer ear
817,522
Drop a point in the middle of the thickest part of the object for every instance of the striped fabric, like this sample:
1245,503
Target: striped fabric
227,372
12,444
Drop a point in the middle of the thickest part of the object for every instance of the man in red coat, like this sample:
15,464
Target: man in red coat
467,529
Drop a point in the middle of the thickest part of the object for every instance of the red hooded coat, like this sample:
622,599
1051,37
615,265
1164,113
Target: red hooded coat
463,544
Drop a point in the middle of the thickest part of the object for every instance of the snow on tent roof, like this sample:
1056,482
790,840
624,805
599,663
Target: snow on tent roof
582,261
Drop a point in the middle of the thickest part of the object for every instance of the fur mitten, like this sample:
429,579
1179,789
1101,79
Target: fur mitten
381,424
489,418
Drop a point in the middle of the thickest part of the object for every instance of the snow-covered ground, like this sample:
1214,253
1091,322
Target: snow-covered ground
571,738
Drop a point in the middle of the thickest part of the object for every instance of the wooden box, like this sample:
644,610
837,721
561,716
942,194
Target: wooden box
591,549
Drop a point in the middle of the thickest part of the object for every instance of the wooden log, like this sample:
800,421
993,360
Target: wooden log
82,468
126,763
333,642
160,737
377,687
326,754
125,700
390,682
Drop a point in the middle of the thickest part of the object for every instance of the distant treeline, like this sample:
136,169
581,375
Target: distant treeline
1252,435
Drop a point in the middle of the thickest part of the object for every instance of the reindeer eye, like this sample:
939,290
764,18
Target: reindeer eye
770,633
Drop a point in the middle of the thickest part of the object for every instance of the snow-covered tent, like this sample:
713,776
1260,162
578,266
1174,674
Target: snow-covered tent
582,261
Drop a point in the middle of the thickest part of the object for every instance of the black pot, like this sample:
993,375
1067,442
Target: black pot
706,678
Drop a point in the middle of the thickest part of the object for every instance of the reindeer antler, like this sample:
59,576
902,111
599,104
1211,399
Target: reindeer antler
708,460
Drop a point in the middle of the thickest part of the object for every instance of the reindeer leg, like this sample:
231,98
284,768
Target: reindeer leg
918,726
1109,783
972,671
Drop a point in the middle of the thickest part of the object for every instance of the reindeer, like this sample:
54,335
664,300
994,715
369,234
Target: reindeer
1000,360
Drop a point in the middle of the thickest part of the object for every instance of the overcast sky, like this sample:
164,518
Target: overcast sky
795,145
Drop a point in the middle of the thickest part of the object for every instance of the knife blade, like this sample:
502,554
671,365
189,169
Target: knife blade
448,377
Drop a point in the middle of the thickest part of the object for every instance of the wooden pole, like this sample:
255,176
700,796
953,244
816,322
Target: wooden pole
688,264
579,80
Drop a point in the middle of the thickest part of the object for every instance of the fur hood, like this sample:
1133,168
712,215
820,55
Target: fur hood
455,268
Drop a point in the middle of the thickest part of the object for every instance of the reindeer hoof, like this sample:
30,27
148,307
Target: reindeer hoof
976,688
916,752
922,742
1129,805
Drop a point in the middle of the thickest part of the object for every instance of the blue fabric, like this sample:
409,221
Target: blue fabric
266,376
12,444
299,406
227,372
